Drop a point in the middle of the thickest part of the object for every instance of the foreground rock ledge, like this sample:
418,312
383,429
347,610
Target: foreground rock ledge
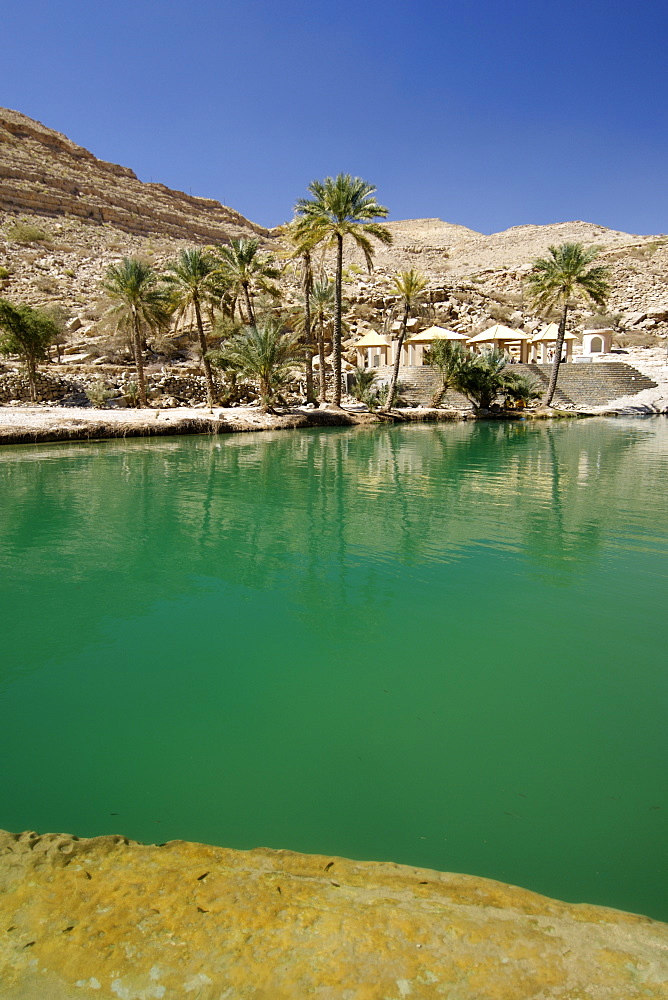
111,918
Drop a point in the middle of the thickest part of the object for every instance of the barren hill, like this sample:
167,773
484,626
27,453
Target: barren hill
88,213
42,172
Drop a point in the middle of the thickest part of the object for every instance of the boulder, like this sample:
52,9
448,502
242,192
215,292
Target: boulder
106,918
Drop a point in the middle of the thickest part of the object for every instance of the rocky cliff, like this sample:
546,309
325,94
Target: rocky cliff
43,173
107,918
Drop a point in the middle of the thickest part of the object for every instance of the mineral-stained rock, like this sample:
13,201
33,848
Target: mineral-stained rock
110,918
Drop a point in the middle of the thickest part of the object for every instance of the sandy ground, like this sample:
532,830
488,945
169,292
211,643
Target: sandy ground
29,424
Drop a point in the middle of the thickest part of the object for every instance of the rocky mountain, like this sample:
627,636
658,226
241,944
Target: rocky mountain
65,216
478,279
43,173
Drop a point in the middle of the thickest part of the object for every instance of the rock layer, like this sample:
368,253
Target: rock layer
110,918
42,172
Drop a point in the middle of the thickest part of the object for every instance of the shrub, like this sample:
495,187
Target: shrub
521,390
98,394
165,346
46,285
131,390
26,232
363,388
603,321
4,274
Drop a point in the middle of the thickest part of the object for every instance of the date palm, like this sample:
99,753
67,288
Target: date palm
323,306
409,286
555,281
341,207
246,269
138,298
447,357
191,281
301,252
264,352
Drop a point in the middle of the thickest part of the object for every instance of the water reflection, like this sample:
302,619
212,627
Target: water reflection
250,508
403,643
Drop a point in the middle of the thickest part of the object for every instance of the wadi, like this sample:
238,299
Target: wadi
367,705
70,220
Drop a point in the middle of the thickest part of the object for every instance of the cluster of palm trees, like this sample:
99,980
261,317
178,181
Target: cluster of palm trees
482,378
199,280
231,280
228,276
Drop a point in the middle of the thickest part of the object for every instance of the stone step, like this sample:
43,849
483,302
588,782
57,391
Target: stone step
592,384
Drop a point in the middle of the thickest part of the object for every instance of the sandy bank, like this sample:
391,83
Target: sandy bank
106,918
31,424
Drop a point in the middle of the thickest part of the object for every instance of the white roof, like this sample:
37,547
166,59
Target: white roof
436,333
372,339
551,332
498,332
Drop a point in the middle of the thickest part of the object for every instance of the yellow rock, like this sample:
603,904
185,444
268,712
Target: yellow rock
111,918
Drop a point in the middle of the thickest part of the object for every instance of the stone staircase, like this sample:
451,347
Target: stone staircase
418,384
592,384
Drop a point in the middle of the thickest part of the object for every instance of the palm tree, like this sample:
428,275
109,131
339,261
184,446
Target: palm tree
301,251
555,281
365,390
137,298
323,308
27,332
482,377
245,269
265,352
409,286
520,390
446,356
191,281
341,206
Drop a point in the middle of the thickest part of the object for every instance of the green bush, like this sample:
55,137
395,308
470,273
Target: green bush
98,394
4,274
131,390
26,232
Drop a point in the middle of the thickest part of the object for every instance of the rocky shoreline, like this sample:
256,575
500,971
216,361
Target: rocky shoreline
40,424
110,918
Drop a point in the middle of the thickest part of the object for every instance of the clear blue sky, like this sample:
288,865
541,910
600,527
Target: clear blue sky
489,114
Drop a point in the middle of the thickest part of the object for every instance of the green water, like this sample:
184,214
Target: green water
439,645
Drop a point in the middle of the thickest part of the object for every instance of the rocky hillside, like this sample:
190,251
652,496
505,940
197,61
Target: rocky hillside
43,173
65,216
476,279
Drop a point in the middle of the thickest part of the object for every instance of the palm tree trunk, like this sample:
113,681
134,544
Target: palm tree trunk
336,346
206,364
557,357
139,360
249,306
265,395
308,354
397,361
321,355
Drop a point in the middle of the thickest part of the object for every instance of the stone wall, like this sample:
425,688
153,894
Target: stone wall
14,386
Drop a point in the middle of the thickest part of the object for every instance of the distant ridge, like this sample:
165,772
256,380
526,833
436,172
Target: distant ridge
43,173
